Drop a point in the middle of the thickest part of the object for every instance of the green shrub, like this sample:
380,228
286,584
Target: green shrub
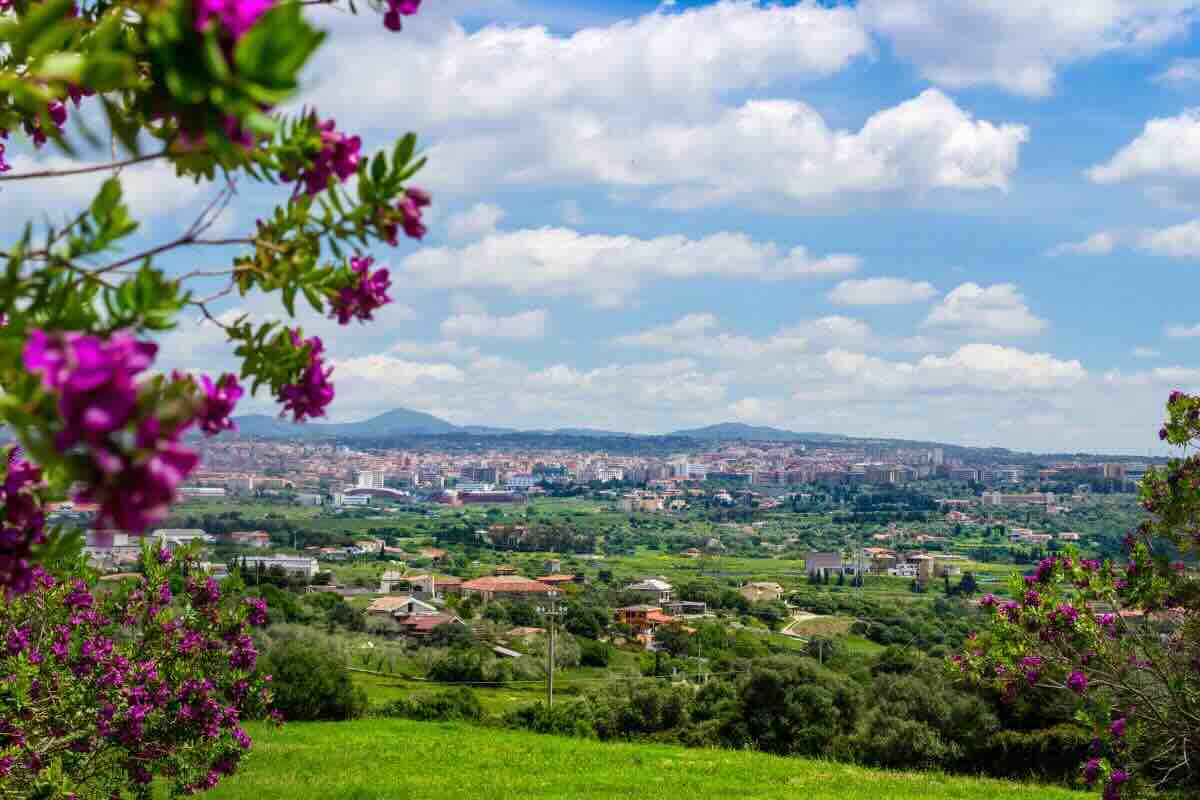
453,705
311,683
595,654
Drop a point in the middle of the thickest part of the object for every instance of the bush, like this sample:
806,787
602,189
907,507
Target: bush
595,654
567,718
470,666
459,704
311,683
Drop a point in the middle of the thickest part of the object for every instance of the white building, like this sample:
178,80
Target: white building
371,479
178,537
240,484
202,491
292,565
521,482
653,589
341,500
306,499
474,486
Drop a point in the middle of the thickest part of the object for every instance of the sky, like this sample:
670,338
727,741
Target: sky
972,221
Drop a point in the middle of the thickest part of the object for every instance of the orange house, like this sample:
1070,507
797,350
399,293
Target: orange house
643,618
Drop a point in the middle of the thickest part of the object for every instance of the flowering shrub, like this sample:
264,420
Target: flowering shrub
108,689
1122,639
111,686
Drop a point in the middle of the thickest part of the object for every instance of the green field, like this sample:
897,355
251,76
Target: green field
401,760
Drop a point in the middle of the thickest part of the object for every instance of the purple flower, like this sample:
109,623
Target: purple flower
313,393
1112,790
22,526
411,208
989,601
1068,613
164,556
368,293
1077,682
1032,598
218,403
4,165
1117,729
1045,570
398,9
234,16
1107,619
339,155
258,611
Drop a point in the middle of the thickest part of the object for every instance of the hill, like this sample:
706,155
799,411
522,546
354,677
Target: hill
397,422
389,759
736,431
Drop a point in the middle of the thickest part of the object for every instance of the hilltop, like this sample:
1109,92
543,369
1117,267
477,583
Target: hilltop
384,759
403,423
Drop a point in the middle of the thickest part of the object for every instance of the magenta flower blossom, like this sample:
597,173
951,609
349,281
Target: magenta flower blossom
4,165
1117,729
234,16
398,9
411,207
314,392
137,494
58,117
22,525
1112,790
218,403
360,300
339,156
258,611
1077,682
989,601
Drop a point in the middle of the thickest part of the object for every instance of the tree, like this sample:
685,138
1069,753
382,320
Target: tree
1119,639
311,683
198,87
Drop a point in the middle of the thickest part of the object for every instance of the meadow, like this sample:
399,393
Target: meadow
402,760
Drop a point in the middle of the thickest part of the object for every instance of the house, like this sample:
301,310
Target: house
524,632
388,606
390,580
643,617
691,552
434,553
504,569
293,565
421,626
556,580
762,592
653,589
552,565
685,608
822,564
175,537
509,587
257,539
434,586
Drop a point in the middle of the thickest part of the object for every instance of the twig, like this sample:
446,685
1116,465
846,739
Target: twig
59,173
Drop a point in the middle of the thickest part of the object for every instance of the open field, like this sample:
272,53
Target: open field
402,760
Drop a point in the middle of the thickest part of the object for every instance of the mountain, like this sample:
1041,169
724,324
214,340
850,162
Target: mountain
732,431
397,422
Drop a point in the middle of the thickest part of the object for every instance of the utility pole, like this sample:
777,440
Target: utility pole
550,615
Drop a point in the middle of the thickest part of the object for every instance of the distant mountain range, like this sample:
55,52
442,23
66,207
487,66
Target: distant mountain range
402,422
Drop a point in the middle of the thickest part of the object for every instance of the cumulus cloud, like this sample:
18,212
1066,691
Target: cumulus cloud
1167,148
1098,244
522,325
1181,73
1019,47
997,310
479,220
607,269
985,367
1175,241
881,292
1180,331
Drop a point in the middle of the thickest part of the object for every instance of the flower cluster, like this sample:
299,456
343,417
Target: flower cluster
4,165
408,216
136,455
57,111
23,524
234,17
339,155
157,685
398,9
368,293
313,393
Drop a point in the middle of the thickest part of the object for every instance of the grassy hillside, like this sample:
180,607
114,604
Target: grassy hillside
398,760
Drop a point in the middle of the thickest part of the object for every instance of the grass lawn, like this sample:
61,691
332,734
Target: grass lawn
402,760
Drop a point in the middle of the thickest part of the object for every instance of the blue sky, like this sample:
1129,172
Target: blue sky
969,220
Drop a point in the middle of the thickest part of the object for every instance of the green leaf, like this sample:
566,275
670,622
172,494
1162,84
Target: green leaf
106,200
404,150
38,22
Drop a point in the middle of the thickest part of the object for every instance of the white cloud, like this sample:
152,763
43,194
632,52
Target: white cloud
881,292
985,367
607,269
522,325
660,62
1019,46
997,310
1167,148
777,154
698,334
1176,241
1098,244
60,198
477,221
1179,331
1145,353
1182,72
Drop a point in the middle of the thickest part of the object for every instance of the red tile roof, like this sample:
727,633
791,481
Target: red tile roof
512,584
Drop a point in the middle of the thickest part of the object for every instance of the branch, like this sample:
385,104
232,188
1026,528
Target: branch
59,173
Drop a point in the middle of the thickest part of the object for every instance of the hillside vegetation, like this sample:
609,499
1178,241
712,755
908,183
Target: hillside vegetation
396,760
